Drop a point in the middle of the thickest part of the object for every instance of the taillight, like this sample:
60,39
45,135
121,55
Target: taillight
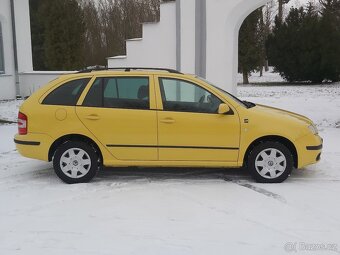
22,124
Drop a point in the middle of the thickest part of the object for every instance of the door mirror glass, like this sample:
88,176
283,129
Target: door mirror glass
224,109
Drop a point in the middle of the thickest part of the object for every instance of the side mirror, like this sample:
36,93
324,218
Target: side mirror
224,109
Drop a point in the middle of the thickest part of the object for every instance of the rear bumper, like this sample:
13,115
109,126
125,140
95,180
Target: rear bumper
33,143
34,146
309,150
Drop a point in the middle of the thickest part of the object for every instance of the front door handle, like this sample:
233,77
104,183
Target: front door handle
168,121
92,117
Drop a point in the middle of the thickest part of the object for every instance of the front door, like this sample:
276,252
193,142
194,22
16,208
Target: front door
117,112
189,127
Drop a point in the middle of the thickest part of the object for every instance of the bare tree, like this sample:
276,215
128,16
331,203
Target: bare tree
94,46
110,22
281,3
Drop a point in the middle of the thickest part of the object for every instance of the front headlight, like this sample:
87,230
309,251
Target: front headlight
313,129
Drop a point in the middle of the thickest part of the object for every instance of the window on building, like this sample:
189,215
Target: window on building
2,62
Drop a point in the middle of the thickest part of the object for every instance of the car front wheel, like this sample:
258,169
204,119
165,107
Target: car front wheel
75,162
270,162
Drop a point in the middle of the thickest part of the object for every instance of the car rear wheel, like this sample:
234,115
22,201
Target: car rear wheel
270,162
76,162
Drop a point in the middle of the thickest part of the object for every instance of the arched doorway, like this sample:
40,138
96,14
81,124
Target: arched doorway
222,41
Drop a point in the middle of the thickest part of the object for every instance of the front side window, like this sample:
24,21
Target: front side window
119,92
67,94
2,57
223,91
184,96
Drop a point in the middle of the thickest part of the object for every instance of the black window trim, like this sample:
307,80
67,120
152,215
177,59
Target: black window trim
115,77
161,88
117,90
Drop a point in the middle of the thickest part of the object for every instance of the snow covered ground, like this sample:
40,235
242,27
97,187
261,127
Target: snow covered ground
178,211
321,103
267,77
9,110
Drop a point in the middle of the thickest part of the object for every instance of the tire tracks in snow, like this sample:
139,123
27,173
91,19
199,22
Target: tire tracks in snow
258,190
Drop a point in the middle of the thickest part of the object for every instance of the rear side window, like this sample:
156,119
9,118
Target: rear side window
67,94
122,92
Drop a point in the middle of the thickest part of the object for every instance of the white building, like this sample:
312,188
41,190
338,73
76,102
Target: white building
15,45
193,36
16,69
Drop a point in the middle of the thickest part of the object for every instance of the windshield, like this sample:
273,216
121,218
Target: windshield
224,92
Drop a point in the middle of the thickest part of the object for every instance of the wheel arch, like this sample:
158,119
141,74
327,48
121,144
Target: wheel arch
273,138
73,137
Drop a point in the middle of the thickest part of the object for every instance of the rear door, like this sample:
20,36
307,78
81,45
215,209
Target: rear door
118,111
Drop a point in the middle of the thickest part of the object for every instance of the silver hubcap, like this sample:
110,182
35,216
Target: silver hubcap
270,163
75,163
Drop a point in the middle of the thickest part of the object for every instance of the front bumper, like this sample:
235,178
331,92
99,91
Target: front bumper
314,148
309,149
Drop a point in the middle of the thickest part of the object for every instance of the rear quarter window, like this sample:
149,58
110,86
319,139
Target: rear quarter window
66,94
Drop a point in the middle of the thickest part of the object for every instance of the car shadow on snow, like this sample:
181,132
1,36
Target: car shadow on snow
235,175
111,174
138,173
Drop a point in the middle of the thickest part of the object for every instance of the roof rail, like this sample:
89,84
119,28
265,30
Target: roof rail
92,68
127,69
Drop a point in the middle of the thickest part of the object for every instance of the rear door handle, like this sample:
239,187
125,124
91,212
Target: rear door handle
168,121
92,117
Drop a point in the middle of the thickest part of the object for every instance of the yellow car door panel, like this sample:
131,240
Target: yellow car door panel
194,136
189,127
117,112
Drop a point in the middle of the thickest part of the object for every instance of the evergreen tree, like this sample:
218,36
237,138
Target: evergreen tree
330,39
282,44
64,34
68,36
95,52
37,36
306,46
250,44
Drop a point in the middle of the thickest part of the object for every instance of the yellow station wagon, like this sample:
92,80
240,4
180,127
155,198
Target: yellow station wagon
158,117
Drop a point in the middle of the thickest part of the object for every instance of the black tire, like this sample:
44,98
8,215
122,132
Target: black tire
267,147
90,156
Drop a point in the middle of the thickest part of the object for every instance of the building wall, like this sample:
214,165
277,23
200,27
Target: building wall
158,44
23,41
31,81
175,42
224,19
23,35
7,81
187,35
206,39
